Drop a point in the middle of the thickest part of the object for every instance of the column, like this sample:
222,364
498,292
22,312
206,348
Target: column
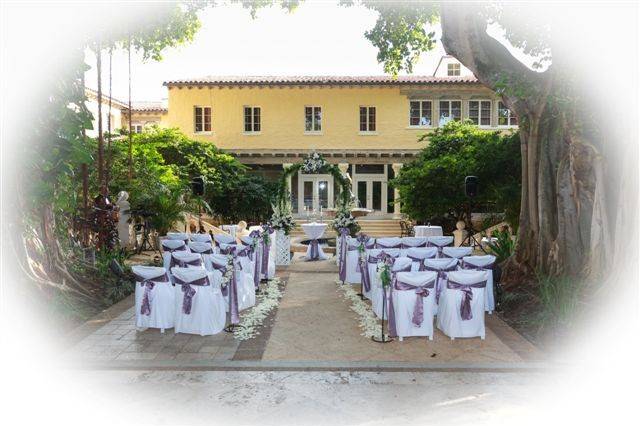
396,194
284,166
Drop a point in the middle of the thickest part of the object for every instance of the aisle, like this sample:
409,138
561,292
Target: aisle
315,323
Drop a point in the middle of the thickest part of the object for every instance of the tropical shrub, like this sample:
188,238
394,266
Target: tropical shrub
457,150
504,245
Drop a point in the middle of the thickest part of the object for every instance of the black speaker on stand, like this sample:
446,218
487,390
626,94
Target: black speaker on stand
197,188
471,186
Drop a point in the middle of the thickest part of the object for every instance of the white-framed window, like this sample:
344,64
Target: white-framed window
252,116
201,119
453,69
449,110
420,113
367,119
480,112
312,119
505,116
136,128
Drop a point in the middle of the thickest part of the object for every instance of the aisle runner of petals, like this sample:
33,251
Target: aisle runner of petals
252,320
366,318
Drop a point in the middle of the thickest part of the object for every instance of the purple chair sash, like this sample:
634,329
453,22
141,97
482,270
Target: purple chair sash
442,276
343,255
465,306
231,290
183,247
185,263
149,284
189,291
228,249
420,261
365,278
471,266
418,309
207,251
266,248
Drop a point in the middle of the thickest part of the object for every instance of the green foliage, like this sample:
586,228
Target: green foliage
559,298
503,247
455,151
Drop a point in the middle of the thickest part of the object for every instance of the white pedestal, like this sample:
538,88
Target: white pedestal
283,248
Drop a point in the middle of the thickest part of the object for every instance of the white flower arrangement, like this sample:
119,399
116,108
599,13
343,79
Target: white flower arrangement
282,217
252,320
226,277
313,163
367,319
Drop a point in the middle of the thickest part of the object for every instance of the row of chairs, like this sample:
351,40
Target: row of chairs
423,259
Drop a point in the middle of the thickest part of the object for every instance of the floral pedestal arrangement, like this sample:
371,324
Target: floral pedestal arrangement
283,248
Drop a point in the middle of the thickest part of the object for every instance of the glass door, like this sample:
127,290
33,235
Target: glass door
317,192
371,194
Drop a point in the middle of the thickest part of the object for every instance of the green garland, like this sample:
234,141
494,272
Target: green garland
282,193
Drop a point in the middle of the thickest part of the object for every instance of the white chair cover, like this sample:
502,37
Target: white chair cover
201,238
246,289
222,247
440,241
409,242
353,256
456,252
405,301
400,264
485,263
201,247
178,236
271,270
161,298
174,245
224,239
207,314
389,243
450,320
419,254
178,257
442,267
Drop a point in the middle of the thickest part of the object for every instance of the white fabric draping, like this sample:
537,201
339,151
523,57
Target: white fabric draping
482,262
207,314
201,238
244,279
457,252
353,257
404,303
420,253
224,239
449,320
169,245
271,270
440,241
314,231
410,242
427,231
388,242
161,299
376,287
178,236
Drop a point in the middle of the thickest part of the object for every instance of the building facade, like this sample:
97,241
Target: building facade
368,126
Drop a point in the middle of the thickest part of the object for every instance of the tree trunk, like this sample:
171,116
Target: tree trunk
130,174
562,218
100,135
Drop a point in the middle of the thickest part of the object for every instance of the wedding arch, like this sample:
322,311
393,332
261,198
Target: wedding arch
315,163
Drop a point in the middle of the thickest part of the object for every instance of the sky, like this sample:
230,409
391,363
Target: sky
318,38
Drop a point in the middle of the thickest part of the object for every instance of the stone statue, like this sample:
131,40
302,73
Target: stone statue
124,227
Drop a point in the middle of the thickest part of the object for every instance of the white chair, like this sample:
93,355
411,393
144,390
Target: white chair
255,255
413,304
372,260
199,307
172,246
154,298
461,307
410,242
483,263
456,252
178,236
270,271
389,243
419,254
441,267
201,238
439,242
353,257
224,239
185,259
244,282
204,249
401,264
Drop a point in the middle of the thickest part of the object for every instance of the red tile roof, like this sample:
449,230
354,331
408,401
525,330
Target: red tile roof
319,80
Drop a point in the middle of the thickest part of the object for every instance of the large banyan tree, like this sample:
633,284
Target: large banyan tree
578,176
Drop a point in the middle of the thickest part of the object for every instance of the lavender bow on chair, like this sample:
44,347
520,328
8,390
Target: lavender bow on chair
420,261
189,291
149,284
418,309
343,254
465,306
442,276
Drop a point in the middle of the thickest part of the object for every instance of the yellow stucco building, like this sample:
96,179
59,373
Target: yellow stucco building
369,126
